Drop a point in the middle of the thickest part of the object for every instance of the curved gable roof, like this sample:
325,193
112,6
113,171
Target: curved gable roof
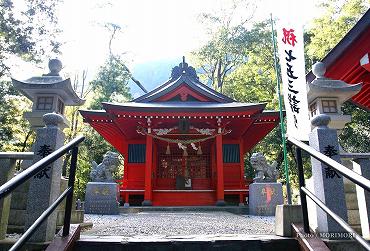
184,74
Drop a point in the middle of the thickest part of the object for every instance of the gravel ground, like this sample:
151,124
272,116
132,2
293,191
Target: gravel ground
178,223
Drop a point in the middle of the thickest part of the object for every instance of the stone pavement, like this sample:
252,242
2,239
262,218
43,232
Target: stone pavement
167,224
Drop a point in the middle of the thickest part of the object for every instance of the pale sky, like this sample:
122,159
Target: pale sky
150,30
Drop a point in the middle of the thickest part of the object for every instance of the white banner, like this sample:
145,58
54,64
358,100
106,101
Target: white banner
291,51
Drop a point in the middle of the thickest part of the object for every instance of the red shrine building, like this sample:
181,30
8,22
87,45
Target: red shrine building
183,143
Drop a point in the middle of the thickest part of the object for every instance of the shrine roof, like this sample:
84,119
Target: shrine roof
183,106
182,96
183,74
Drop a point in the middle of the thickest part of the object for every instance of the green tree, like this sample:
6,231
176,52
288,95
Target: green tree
224,51
111,83
356,135
255,79
28,34
327,30
14,129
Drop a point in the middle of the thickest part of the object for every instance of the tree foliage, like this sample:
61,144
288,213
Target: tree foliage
14,129
225,50
255,80
328,29
29,34
111,83
355,137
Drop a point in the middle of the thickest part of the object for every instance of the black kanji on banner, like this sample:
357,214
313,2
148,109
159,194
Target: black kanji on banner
292,98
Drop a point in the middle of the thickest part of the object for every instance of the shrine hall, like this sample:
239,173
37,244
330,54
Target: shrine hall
183,143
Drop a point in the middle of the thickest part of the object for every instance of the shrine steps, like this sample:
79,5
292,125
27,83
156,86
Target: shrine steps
194,243
241,210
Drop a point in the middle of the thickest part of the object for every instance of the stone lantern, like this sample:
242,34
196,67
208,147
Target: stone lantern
326,96
49,93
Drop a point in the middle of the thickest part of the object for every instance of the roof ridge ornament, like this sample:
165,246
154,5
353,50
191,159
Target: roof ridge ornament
184,69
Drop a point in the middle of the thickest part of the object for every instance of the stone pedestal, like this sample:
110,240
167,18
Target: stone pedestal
264,197
7,167
328,184
285,216
44,187
101,198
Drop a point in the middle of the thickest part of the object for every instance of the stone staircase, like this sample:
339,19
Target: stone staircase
18,206
352,205
224,243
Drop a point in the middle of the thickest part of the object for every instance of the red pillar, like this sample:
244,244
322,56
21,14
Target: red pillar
220,172
242,182
125,172
125,163
241,157
148,171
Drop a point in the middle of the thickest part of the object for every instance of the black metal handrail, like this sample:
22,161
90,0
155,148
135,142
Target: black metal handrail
12,184
304,192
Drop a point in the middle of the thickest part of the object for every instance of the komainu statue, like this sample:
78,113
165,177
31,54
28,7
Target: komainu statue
103,171
264,171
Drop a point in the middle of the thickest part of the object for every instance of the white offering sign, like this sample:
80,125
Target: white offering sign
291,51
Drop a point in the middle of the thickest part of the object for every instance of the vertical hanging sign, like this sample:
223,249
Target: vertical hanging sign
291,52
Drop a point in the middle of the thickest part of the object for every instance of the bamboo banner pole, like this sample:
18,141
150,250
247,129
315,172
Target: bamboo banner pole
286,168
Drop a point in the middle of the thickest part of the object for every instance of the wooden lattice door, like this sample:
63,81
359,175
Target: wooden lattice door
192,166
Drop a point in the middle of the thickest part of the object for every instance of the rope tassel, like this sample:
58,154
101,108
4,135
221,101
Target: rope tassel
168,150
199,152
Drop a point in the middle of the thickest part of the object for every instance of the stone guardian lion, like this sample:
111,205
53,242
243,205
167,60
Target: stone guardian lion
264,171
103,171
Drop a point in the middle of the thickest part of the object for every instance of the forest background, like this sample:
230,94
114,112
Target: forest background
237,60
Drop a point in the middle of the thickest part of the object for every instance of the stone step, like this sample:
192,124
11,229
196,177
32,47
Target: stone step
19,200
357,228
353,217
17,217
349,187
199,242
243,210
351,201
15,229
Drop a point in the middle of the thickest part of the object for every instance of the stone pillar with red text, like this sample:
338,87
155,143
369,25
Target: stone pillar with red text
264,193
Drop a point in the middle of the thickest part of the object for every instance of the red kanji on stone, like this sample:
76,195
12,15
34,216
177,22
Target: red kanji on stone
289,37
